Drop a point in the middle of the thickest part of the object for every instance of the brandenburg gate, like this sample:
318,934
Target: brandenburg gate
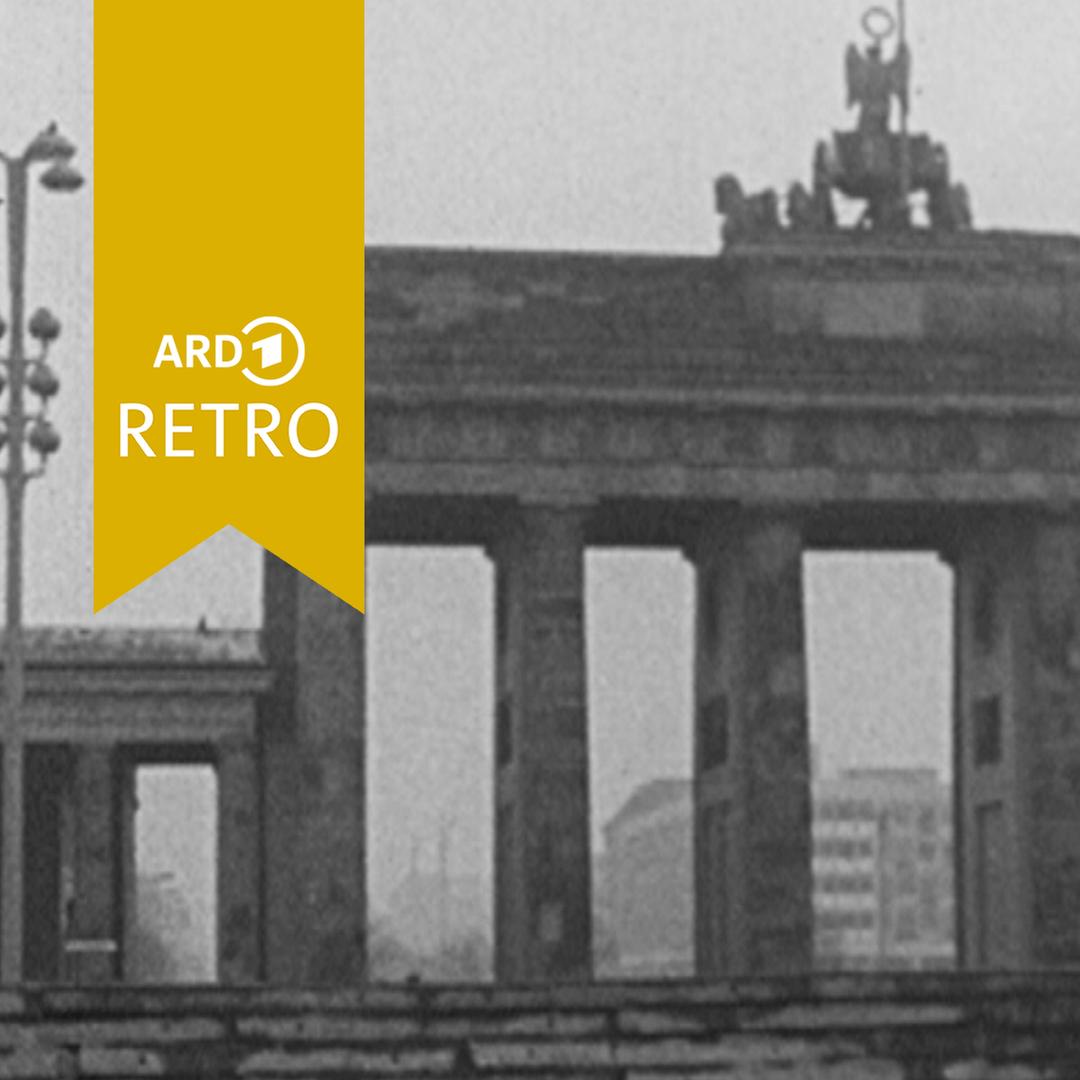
890,383
841,390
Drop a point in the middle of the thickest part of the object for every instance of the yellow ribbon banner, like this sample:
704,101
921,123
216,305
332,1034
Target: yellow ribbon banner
229,285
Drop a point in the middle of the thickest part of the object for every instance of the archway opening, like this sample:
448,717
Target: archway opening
880,643
640,624
430,716
173,936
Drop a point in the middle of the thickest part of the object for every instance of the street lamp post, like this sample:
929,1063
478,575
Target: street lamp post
20,431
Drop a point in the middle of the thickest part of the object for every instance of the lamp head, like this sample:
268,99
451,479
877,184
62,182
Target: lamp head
62,176
43,381
43,438
44,325
50,145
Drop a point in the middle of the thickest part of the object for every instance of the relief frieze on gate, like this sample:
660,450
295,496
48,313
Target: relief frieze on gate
1038,446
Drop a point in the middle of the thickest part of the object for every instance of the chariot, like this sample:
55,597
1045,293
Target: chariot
869,167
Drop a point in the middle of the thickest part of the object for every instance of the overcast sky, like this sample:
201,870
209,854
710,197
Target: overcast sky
573,124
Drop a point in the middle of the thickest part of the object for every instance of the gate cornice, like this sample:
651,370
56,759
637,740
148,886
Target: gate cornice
840,369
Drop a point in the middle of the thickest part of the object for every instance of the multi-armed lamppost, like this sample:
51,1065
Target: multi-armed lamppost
22,430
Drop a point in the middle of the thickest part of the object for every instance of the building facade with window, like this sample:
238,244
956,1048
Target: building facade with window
884,892
646,888
882,862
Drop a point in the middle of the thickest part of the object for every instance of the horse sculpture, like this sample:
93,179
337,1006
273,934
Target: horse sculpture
745,215
813,210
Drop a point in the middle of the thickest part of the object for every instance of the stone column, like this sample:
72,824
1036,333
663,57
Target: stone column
239,959
46,781
751,751
543,906
312,726
1018,631
991,566
96,919
1049,717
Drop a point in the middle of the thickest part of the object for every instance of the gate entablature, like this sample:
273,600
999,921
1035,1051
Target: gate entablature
857,368
154,686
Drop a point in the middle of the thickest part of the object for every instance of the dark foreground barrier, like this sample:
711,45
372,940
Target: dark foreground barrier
919,1027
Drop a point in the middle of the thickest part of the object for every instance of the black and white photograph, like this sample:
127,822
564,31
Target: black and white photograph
715,706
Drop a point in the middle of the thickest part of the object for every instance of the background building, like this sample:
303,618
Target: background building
883,870
882,863
645,894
